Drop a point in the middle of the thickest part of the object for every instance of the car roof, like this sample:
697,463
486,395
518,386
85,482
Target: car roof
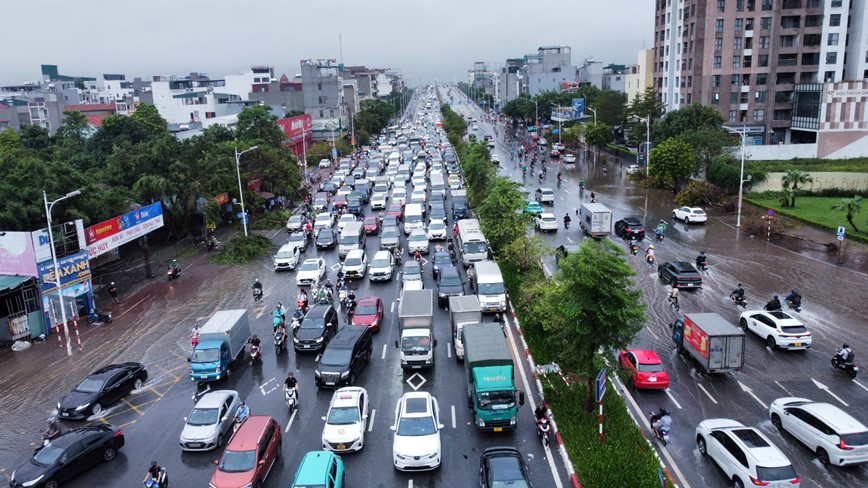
416,404
311,260
449,270
314,468
547,215
382,254
368,300
783,316
70,437
248,435
838,419
632,220
683,265
645,356
347,396
215,399
759,447
355,253
317,311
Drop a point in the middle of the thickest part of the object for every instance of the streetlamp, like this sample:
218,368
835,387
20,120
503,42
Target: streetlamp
48,207
240,190
595,115
647,121
536,112
741,180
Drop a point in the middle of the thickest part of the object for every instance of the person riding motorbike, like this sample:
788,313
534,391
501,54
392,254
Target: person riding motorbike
773,305
673,296
174,265
301,298
593,198
661,419
155,474
845,354
53,430
540,413
794,300
242,413
257,288
290,384
649,254
417,255
567,221
659,231
737,295
280,333
700,260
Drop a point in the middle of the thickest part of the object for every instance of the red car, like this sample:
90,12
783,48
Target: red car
396,210
372,225
250,454
339,202
644,368
369,313
555,153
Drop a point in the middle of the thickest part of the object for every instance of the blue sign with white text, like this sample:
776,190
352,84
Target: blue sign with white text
578,107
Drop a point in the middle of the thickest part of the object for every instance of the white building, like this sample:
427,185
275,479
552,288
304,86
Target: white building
196,99
640,76
240,84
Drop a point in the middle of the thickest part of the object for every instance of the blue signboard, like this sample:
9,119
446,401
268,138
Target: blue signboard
578,107
601,385
74,268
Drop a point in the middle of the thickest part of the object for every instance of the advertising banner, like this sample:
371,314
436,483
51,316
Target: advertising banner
111,234
16,254
74,270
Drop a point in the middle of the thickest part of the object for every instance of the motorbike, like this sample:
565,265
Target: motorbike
702,265
279,343
343,293
97,317
659,236
661,434
173,273
634,248
542,430
255,354
850,367
739,301
257,295
279,318
301,301
567,224
152,483
236,423
795,304
291,398
649,258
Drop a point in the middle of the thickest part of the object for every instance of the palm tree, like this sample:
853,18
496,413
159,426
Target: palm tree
792,179
852,207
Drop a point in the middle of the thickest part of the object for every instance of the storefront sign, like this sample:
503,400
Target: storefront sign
16,254
105,236
296,127
222,198
74,269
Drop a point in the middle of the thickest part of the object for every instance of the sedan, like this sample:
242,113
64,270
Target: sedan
399,196
396,210
418,241
344,220
437,230
67,456
390,238
569,158
324,163
779,329
369,313
441,260
503,466
416,444
311,272
101,388
378,201
412,271
689,214
339,202
299,240
533,207
372,224
326,239
209,421
680,274
324,220
346,420
644,368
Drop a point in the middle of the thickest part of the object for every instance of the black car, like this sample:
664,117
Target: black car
68,456
437,212
630,228
299,239
346,355
441,261
449,284
100,389
681,274
502,466
316,329
326,239
330,187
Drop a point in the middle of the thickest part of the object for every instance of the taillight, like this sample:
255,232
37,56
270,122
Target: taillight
120,432
795,481
758,482
628,230
842,446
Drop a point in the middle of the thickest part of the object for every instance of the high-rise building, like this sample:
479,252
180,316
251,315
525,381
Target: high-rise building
762,63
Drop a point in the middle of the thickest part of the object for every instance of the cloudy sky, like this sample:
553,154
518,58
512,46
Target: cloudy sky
425,40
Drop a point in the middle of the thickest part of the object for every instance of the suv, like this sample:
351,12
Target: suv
502,466
382,266
831,433
545,195
449,284
355,264
344,357
630,228
680,274
315,330
250,454
744,454
320,468
416,443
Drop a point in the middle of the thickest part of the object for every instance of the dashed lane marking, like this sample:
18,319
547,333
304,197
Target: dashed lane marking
453,416
385,346
785,388
371,420
570,240
291,419
448,349
672,397
707,393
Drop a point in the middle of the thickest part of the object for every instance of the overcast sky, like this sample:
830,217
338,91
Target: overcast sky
425,40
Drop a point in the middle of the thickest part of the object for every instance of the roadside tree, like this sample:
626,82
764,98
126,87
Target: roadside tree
851,206
598,134
672,162
500,213
792,179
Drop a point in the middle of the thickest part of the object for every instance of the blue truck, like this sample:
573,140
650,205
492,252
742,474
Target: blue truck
221,342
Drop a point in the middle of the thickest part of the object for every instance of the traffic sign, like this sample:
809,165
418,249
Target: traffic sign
770,213
601,385
841,231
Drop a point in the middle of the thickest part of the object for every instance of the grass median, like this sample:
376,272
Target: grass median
816,211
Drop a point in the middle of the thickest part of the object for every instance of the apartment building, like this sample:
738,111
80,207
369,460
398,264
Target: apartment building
323,93
639,78
762,63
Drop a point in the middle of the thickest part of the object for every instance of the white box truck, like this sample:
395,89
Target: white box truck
463,311
416,329
595,220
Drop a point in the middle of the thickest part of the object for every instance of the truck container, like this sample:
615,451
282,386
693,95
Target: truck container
221,342
460,207
472,245
416,329
715,343
491,392
463,311
595,220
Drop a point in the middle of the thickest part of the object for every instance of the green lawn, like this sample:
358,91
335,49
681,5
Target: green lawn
817,211
854,165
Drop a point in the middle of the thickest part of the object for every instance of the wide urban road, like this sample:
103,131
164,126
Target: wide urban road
834,310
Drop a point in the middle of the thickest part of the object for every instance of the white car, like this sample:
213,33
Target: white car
745,455
570,158
419,196
324,220
418,182
294,223
287,257
689,214
416,445
345,219
418,240
475,126
546,221
827,431
382,266
379,201
495,159
399,196
633,168
355,265
311,272
345,190
437,230
779,329
559,146
346,421
324,163
542,141
209,422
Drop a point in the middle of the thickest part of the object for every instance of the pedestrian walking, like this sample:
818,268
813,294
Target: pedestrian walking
113,292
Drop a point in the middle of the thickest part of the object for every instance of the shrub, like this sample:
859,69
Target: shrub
270,220
242,250
700,192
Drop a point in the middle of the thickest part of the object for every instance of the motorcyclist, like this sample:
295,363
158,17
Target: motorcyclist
673,295
540,413
659,230
593,198
174,265
737,294
417,255
254,341
155,473
661,419
280,333
794,299
290,382
700,260
845,354
302,296
567,220
53,430
242,413
649,253
634,248
257,287
774,305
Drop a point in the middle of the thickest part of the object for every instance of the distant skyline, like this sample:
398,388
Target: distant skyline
424,40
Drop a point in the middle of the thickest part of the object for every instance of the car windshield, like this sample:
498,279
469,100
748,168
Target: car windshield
437,225
348,218
475,247
285,254
412,269
325,235
349,239
353,262
47,456
238,461
315,324
296,238
90,385
343,416
445,259
310,266
338,358
392,232
650,368
490,288
412,219
777,473
295,219
370,221
205,355
203,416
418,237
416,344
380,263
793,329
416,426
495,400
450,281
365,310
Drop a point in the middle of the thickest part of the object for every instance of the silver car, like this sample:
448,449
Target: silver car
209,422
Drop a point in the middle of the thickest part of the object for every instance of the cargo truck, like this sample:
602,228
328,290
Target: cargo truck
221,342
491,392
463,311
715,343
595,220
416,329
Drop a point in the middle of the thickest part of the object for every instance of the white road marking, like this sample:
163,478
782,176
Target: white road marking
546,269
453,416
371,420
570,240
566,191
291,419
335,266
409,483
259,313
750,392
824,387
262,387
393,307
672,397
786,390
449,349
561,198
861,385
707,393
384,351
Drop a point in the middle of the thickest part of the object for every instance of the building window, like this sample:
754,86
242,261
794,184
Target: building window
762,78
762,60
760,96
814,4
748,42
829,77
736,61
764,42
748,61
718,25
765,23
715,81
733,80
833,39
716,64
768,4
721,5
321,115
693,10
733,116
744,98
718,43
789,41
739,25
837,3
739,5
715,98
835,20
748,24
733,98
831,58
759,115
736,44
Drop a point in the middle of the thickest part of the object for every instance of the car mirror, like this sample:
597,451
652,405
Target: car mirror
392,428
188,360
396,344
435,342
521,398
323,418
439,426
217,461
185,419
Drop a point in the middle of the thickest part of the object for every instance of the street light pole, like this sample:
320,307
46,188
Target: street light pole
48,207
536,108
240,190
741,180
595,115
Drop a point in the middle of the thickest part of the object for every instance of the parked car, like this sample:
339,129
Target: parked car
690,214
503,466
826,430
630,228
779,329
100,389
369,313
680,274
346,420
312,271
250,454
210,420
644,368
416,443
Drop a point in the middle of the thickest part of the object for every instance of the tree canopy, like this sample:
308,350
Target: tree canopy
672,162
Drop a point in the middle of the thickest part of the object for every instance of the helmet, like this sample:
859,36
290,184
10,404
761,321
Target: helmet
663,411
739,285
256,280
153,463
112,284
846,346
290,374
776,296
795,292
651,246
702,253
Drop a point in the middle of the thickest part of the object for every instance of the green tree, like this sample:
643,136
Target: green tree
148,116
500,215
293,113
9,141
851,206
35,137
707,144
672,161
115,130
647,104
257,126
478,172
317,151
691,117
572,136
592,305
598,134
521,107
792,179
612,107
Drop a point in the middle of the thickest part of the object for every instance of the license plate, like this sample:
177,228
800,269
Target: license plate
417,367
492,309
652,379
195,445
342,447
498,429
798,344
306,346
64,414
331,383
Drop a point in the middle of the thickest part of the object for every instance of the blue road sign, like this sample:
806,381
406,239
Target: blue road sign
578,107
601,385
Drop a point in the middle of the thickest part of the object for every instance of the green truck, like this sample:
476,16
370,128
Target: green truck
491,391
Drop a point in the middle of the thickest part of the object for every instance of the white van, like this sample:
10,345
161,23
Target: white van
413,218
352,237
490,288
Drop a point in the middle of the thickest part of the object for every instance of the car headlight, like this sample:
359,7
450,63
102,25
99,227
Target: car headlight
31,482
319,339
480,422
345,375
58,405
316,373
82,407
295,340
248,485
512,421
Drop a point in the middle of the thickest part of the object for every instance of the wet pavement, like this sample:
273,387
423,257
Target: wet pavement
834,299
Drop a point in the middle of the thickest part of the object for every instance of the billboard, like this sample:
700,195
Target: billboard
74,269
17,254
576,110
111,234
297,127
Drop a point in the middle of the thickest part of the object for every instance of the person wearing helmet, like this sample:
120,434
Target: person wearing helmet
290,381
738,293
794,300
845,353
649,254
774,305
113,292
242,413
661,419
700,260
